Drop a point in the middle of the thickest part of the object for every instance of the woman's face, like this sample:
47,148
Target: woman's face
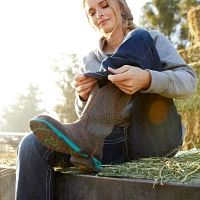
101,15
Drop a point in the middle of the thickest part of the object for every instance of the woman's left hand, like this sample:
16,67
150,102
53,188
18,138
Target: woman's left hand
130,79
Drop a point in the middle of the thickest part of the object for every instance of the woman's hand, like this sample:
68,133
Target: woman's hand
130,79
83,85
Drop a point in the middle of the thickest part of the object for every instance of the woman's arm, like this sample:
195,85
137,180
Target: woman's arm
178,80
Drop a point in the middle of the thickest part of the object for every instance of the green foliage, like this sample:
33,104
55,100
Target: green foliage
170,18
192,103
16,117
66,66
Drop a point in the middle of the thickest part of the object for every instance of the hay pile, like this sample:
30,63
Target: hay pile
8,161
193,18
190,113
191,54
162,170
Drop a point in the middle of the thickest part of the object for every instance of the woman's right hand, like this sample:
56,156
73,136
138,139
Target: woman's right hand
83,85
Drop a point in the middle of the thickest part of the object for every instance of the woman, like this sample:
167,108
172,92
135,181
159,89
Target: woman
113,19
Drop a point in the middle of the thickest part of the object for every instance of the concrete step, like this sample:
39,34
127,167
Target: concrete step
91,187
7,182
85,187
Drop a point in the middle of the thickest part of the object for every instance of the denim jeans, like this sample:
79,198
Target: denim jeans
115,149
35,162
137,49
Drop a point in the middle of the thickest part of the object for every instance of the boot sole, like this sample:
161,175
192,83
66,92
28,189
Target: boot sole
52,138
85,164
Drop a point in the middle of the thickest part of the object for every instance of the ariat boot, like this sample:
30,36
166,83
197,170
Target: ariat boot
84,139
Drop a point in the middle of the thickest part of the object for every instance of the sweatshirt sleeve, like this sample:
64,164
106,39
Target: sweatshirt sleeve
79,105
178,80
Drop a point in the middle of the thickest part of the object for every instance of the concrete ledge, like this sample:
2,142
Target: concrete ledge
89,187
85,187
7,183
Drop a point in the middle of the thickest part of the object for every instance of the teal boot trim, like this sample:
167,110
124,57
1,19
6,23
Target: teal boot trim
68,142
61,135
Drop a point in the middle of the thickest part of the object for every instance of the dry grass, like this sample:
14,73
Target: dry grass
193,18
8,161
191,54
182,169
161,170
192,123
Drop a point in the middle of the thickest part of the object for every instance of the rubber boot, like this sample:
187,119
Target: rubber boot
84,139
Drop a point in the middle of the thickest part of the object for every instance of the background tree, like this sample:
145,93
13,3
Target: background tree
15,117
170,18
66,66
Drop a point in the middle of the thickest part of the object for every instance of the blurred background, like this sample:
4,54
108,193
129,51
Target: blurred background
41,43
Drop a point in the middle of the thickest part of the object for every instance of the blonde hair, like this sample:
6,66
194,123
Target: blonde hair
126,18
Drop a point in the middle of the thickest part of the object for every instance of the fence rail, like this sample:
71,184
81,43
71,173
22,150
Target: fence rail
9,141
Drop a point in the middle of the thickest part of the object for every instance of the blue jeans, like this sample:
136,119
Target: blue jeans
35,162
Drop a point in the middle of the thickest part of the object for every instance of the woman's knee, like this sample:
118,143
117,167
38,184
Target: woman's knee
140,33
27,141
30,145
